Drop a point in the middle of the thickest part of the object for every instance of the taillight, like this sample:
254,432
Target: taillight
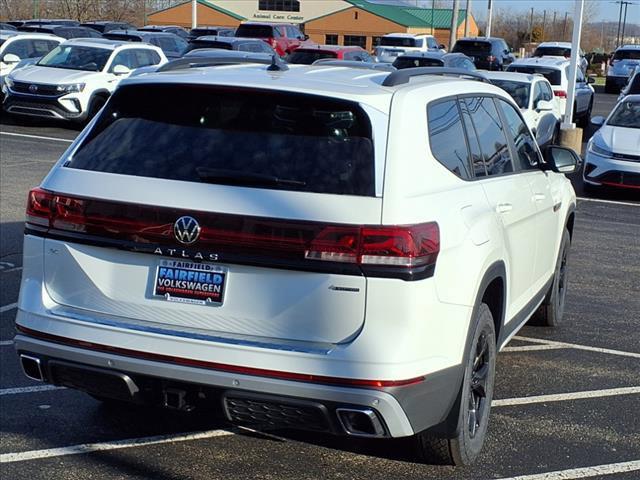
39,207
398,246
407,251
491,58
273,43
560,93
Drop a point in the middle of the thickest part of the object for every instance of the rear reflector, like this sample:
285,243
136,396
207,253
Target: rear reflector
560,93
394,251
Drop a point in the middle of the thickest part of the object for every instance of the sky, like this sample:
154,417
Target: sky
608,10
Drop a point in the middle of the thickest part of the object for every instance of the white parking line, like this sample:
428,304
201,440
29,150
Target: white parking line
614,202
6,308
39,137
561,397
532,348
33,389
585,472
4,343
579,347
115,445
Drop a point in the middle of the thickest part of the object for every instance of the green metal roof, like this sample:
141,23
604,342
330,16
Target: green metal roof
410,17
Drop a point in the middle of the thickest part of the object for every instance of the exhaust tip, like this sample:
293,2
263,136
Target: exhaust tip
360,422
31,367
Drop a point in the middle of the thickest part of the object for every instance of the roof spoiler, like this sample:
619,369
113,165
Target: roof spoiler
403,76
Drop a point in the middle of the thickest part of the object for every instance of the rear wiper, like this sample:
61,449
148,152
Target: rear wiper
234,177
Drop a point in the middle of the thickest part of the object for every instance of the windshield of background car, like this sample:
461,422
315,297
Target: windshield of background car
553,75
75,57
552,52
214,134
627,55
254,31
397,42
307,57
626,114
196,44
471,47
519,91
410,62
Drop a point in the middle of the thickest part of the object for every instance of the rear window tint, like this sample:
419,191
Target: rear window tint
552,52
253,138
398,42
307,57
194,45
411,62
254,31
470,46
552,74
627,55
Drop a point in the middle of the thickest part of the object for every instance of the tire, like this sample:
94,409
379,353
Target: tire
608,87
95,105
474,407
551,311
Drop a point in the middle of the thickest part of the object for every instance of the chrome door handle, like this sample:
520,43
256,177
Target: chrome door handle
538,197
504,207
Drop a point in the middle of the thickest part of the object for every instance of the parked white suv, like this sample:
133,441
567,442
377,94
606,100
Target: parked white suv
73,81
393,45
538,105
316,247
17,47
557,72
560,50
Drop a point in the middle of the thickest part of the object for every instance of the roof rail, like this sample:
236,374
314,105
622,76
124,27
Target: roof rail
196,62
330,62
405,75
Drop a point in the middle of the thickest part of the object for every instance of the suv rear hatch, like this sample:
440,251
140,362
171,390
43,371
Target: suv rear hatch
478,50
219,209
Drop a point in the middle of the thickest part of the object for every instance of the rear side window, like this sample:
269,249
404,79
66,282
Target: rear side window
251,138
447,138
491,136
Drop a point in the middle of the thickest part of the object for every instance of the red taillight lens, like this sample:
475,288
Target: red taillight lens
39,207
491,58
401,246
560,93
273,43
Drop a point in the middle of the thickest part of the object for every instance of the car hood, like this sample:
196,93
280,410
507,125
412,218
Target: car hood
619,139
52,76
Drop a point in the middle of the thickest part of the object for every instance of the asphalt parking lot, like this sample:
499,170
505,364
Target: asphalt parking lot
566,402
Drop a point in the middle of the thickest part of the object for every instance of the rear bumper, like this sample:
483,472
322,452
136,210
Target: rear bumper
399,411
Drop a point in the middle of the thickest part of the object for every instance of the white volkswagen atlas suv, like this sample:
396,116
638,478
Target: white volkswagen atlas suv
75,79
329,248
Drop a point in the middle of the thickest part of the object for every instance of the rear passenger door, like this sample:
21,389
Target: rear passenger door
508,193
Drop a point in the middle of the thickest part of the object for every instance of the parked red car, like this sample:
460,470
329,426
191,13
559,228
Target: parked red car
308,54
283,37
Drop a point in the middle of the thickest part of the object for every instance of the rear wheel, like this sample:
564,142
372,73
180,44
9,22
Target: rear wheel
550,313
475,398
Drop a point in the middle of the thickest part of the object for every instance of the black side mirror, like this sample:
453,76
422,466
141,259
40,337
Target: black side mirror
591,80
561,159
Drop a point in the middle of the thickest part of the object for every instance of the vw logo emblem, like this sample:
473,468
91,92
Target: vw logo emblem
187,230
33,88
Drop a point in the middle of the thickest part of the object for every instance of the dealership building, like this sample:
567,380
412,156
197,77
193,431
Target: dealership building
334,22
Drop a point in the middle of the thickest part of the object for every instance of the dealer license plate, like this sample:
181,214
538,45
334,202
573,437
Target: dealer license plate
189,282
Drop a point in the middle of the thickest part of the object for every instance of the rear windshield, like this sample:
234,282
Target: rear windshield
99,27
410,62
203,31
471,47
252,138
254,31
397,42
307,57
196,44
519,91
123,37
552,52
552,74
627,55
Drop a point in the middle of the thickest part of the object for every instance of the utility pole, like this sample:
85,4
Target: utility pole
531,27
624,23
433,5
564,26
544,21
466,18
573,68
619,24
454,24
489,12
194,13
555,31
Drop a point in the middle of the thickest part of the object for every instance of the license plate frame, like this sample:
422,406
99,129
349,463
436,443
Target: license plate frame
190,282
